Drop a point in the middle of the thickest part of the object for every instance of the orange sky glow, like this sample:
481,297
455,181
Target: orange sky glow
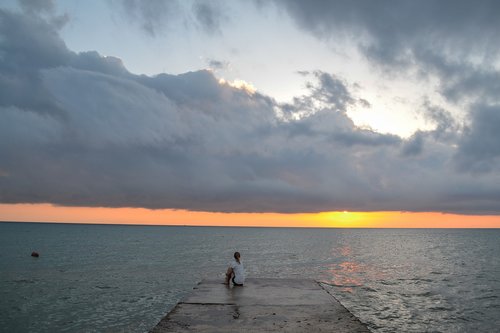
51,213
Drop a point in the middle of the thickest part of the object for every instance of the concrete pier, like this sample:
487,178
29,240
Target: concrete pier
262,305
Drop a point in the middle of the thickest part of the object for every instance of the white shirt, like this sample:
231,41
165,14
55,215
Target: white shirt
239,271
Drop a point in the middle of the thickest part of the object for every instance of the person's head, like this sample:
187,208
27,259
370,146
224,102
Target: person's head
237,256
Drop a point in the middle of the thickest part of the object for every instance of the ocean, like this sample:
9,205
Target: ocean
108,278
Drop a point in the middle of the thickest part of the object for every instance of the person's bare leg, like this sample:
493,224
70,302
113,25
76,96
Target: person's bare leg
229,273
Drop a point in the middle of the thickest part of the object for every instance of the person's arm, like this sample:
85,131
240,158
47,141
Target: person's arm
228,274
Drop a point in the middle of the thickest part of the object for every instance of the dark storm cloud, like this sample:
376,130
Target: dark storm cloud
28,44
79,129
447,129
479,149
461,80
414,145
392,31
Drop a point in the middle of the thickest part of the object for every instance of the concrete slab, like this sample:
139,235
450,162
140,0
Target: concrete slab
260,292
262,305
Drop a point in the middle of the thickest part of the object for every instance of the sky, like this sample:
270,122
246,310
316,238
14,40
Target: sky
272,113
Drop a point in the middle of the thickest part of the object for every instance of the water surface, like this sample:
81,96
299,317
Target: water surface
101,278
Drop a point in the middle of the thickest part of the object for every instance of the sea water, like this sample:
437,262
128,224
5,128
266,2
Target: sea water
104,278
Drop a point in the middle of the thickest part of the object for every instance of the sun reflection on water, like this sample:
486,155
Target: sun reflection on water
349,273
346,275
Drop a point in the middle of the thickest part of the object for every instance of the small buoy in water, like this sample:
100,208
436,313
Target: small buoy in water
35,254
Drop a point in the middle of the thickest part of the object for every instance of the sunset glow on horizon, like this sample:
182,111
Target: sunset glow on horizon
142,216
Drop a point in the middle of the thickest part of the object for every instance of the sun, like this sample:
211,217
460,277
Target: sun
343,219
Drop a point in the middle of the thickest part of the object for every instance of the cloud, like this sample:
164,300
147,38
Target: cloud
217,64
479,149
152,15
37,6
239,84
326,91
447,128
80,129
208,15
392,32
414,145
453,41
463,82
29,44
46,8
156,17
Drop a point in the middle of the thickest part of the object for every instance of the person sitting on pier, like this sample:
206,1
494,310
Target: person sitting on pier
236,271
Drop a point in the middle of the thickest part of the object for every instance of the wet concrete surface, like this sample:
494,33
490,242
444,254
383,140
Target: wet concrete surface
262,305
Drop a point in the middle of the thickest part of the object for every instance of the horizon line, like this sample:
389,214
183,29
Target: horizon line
235,226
